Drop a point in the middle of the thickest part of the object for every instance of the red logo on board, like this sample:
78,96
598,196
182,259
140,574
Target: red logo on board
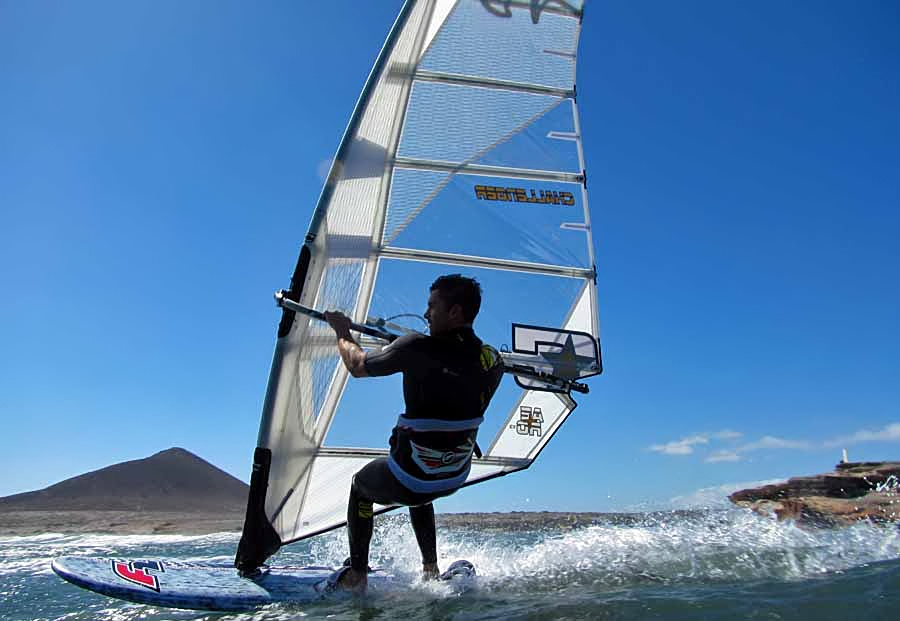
138,572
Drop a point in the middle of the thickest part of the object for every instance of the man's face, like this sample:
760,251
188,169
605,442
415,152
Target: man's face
439,317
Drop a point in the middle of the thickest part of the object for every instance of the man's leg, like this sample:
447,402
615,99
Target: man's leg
375,483
422,518
359,532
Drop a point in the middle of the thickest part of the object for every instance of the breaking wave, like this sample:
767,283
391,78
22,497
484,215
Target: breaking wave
700,564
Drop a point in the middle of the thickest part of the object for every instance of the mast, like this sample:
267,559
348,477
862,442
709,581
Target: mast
259,540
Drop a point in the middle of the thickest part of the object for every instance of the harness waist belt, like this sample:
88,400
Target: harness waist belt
437,424
423,486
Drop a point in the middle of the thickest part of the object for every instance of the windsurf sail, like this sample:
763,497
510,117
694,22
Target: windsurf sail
463,154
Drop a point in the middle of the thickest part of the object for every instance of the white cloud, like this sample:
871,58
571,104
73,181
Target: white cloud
766,442
771,442
685,446
719,456
679,447
890,433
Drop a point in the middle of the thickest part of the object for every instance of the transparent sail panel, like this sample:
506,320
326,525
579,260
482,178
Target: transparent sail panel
497,217
454,123
543,144
509,46
330,487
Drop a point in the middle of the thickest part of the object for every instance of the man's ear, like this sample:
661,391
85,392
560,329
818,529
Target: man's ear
456,312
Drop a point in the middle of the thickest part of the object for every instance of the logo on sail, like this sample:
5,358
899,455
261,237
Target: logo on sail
523,195
530,421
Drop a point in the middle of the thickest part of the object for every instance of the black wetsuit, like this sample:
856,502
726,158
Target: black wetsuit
448,381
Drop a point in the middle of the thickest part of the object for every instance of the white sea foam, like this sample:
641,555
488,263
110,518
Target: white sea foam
721,545
673,551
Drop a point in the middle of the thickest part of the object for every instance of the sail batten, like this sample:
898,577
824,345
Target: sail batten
463,154
482,82
391,252
487,170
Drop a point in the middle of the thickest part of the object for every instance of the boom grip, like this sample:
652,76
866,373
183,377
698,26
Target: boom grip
284,302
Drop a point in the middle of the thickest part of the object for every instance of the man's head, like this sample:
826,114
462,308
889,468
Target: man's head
454,302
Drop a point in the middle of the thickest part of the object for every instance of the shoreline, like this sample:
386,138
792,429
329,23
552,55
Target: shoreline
38,522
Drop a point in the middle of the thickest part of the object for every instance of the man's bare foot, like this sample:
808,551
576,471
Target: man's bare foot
430,571
355,581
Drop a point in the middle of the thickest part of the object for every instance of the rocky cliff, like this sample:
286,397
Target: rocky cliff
853,491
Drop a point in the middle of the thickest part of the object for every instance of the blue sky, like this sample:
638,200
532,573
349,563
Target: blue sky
159,163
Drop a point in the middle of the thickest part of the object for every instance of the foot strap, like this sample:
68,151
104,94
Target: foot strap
332,583
458,569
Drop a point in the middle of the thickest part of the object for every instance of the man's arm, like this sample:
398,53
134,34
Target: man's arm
353,356
492,365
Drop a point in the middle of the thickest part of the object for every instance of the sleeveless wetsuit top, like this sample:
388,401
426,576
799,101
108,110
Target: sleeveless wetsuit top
448,381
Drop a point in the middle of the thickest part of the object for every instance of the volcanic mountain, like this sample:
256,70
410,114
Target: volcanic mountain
171,480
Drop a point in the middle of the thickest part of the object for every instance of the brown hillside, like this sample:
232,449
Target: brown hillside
172,480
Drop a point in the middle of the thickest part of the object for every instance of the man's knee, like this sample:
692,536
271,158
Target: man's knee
364,508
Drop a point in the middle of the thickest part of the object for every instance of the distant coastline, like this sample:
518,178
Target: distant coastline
177,492
29,523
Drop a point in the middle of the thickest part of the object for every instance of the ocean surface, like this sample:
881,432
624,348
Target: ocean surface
711,564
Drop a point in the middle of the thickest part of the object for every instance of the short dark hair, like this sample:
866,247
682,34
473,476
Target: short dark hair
462,290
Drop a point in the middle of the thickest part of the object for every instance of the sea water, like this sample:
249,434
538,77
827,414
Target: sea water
712,564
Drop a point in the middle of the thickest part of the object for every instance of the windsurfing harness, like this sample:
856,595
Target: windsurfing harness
448,381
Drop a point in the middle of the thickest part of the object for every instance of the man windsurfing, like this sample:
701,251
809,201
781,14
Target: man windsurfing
449,378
